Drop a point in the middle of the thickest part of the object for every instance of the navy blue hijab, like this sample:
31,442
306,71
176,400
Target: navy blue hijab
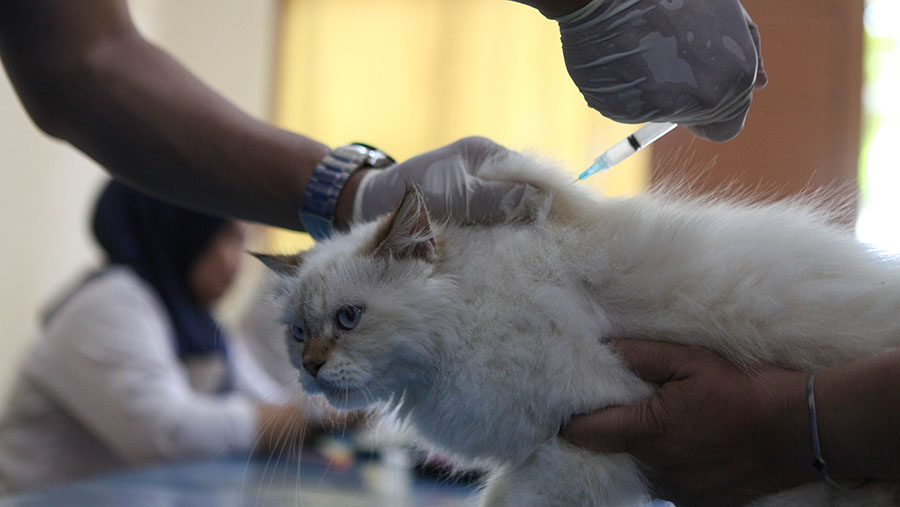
160,242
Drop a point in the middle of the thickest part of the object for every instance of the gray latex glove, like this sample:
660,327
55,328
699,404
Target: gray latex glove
451,190
692,62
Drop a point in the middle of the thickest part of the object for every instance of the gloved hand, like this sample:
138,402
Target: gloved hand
451,190
692,62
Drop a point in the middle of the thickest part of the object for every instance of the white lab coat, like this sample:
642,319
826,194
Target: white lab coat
103,389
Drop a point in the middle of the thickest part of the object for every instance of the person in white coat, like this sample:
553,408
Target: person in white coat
131,368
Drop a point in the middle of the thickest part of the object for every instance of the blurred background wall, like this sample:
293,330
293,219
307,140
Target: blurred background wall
412,75
803,130
48,187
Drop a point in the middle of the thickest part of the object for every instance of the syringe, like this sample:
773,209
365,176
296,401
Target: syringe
627,147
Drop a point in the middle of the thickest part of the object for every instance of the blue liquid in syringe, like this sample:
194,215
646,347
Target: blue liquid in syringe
632,144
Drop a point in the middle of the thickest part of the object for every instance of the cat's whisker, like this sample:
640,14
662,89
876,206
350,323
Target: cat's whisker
367,394
383,388
284,440
298,430
264,429
298,499
296,452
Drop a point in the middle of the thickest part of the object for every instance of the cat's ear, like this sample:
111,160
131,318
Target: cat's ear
408,233
281,264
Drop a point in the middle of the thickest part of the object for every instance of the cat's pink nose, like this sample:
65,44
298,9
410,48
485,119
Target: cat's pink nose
313,366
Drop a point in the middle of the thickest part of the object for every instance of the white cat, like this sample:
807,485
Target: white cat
487,339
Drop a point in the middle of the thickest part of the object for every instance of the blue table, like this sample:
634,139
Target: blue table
258,482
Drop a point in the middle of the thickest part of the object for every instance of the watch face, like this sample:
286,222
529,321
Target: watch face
362,149
374,156
379,159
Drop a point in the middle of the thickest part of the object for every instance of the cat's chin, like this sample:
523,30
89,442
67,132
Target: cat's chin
347,399
340,397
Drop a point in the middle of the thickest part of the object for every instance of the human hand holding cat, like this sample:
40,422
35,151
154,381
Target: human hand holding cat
452,190
695,63
712,434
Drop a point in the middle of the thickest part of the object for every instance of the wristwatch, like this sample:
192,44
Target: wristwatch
327,181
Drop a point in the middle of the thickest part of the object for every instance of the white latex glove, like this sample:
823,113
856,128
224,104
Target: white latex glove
451,190
691,62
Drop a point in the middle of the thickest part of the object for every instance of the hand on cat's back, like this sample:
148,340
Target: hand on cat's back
712,434
449,179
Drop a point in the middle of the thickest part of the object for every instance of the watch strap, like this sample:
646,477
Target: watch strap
327,181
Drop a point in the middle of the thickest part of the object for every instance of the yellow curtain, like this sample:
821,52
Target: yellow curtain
412,75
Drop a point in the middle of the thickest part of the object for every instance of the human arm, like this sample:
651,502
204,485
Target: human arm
693,63
858,406
87,76
714,434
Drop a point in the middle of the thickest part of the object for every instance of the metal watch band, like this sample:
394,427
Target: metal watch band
327,181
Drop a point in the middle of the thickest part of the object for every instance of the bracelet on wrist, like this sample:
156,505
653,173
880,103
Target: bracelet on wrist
818,463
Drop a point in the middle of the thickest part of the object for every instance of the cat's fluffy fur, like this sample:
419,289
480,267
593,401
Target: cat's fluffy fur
487,339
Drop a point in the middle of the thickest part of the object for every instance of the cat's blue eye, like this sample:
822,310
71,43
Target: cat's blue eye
298,332
347,317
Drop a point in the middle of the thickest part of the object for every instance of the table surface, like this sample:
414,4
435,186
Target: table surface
261,483
387,480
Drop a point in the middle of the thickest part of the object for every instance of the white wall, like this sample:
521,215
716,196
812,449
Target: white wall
47,187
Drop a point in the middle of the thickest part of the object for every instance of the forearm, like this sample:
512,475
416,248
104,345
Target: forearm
858,408
86,76
717,434
554,8
155,126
